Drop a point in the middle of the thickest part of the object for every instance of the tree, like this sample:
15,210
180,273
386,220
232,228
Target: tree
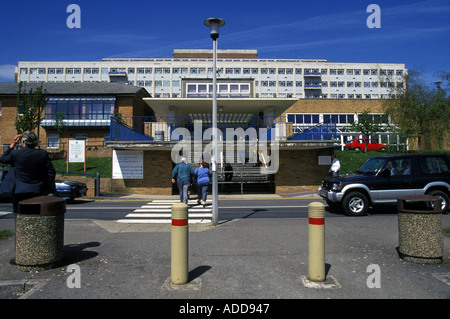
367,125
29,108
420,110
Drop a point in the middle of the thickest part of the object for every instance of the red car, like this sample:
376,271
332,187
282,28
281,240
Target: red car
360,144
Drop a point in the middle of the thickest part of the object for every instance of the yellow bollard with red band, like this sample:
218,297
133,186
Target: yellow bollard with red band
179,249
316,237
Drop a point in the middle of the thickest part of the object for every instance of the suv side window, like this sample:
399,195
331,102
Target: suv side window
405,166
398,167
433,165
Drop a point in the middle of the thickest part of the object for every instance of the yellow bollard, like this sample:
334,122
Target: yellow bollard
180,238
316,270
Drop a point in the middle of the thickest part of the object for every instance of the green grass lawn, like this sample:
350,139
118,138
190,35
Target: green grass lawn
94,164
4,234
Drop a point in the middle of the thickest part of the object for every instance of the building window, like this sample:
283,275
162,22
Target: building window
303,118
223,90
52,141
81,137
80,108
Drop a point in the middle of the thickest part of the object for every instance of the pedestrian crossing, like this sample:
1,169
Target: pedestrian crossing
160,212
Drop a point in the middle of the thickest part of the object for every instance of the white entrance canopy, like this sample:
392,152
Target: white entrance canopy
188,106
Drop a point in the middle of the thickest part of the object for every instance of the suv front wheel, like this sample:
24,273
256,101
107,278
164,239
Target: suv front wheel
355,204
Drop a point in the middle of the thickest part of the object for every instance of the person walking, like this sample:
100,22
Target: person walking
33,169
203,179
335,166
182,175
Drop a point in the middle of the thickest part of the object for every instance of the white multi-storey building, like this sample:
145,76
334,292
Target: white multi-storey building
240,74
248,87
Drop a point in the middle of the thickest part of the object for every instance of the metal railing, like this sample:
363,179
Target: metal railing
198,126
173,128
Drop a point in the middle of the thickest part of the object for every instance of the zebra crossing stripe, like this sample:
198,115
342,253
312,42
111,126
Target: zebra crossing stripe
160,211
5,213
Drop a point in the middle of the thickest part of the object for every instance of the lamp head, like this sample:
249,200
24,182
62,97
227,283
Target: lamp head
214,24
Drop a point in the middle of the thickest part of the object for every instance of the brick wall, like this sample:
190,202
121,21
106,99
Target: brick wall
7,119
157,176
299,169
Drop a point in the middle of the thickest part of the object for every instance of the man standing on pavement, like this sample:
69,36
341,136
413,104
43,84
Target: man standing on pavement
34,172
335,166
182,174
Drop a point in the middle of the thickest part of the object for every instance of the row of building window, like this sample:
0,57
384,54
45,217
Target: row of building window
343,119
84,108
350,84
228,71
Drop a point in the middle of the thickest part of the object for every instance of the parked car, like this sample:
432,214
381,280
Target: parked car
360,144
382,179
68,190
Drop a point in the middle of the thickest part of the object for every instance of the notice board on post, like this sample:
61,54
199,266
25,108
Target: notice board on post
128,164
76,152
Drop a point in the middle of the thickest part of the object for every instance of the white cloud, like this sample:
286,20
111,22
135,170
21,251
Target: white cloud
7,72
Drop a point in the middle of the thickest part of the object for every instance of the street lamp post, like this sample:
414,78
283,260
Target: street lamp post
214,24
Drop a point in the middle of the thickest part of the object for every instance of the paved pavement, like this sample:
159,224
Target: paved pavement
253,259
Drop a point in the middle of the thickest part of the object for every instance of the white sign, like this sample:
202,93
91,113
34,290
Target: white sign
324,160
77,151
128,164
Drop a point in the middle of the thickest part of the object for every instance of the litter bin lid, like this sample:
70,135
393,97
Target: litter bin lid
42,206
436,208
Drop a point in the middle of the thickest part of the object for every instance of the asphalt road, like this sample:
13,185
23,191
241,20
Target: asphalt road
229,209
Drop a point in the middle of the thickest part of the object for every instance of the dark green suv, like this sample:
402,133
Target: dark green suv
382,179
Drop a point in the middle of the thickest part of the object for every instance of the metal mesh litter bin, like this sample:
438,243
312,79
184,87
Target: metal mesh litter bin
420,229
40,233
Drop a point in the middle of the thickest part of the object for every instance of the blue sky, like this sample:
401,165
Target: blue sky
414,32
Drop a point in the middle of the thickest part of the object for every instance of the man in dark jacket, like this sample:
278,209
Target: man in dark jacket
34,172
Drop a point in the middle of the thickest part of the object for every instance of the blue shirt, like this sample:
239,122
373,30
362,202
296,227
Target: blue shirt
202,174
